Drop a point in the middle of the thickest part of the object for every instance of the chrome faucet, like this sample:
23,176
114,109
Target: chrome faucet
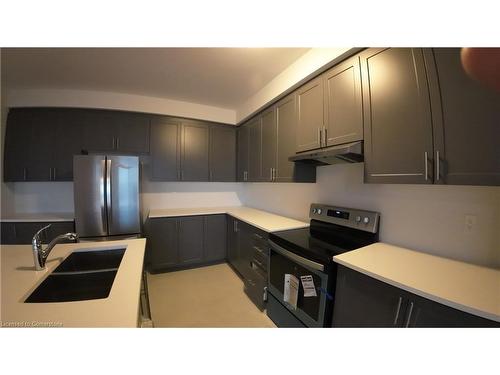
40,255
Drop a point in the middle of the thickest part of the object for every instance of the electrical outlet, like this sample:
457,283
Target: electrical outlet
470,223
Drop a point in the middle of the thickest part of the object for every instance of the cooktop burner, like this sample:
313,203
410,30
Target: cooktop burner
332,231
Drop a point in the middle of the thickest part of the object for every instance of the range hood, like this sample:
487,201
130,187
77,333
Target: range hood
346,153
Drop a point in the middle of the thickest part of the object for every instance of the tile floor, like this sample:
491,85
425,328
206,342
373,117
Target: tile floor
209,296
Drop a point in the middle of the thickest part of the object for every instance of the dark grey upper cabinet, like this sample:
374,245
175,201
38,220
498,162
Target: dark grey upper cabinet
191,239
310,115
222,153
163,242
17,135
194,161
466,118
286,128
269,143
255,149
131,133
243,153
215,237
165,150
398,124
99,131
18,233
343,103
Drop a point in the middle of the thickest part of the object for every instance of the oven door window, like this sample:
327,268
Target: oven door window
281,265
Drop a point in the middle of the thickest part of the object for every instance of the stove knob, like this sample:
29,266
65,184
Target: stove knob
319,211
366,220
314,210
358,219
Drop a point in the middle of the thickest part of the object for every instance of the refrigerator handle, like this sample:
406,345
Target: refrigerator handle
103,195
108,191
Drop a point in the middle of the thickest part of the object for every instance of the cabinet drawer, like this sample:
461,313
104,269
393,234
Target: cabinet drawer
254,289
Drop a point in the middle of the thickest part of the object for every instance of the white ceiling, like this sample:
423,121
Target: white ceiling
222,77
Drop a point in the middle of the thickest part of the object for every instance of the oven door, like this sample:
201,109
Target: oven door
310,310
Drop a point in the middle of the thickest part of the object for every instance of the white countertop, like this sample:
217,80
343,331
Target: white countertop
38,217
463,286
266,221
19,279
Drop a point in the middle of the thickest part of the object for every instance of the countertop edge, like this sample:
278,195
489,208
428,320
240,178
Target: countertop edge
421,293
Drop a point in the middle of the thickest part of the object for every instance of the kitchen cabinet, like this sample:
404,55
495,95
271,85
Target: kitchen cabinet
255,149
19,233
232,240
310,115
191,233
466,118
362,301
269,144
194,151
343,107
165,150
243,153
215,237
398,122
186,241
222,154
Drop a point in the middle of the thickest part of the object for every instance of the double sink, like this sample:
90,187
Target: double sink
83,275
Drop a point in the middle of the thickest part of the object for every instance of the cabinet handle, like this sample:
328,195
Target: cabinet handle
117,143
24,173
397,311
270,174
211,175
235,226
409,316
182,174
319,137
274,174
50,174
324,136
437,165
258,236
259,250
54,174
426,169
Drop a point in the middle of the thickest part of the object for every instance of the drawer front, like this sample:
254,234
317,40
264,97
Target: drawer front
255,289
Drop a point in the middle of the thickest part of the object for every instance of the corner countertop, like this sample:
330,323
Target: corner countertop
19,279
463,286
263,220
37,217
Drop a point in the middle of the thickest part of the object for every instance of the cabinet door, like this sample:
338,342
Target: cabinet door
243,149
215,237
466,117
343,103
362,301
132,133
398,127
245,250
286,124
191,234
232,240
424,313
165,150
269,142
163,240
70,126
17,136
222,154
309,115
255,150
99,133
8,233
194,162
44,126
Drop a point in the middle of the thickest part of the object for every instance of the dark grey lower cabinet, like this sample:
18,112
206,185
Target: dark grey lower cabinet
180,242
362,301
20,233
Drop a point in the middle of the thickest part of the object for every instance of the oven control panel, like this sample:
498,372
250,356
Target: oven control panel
348,217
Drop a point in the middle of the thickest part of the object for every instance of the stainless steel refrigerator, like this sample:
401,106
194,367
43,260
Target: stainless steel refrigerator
106,195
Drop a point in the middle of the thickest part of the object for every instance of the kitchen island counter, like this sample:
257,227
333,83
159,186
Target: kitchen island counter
19,279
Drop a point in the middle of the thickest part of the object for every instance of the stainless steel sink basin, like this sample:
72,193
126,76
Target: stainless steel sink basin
83,275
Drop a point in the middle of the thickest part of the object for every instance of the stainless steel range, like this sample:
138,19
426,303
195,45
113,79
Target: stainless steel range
301,270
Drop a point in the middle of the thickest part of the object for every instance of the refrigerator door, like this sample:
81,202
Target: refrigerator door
123,195
89,195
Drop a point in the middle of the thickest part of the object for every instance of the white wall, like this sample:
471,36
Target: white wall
117,101
426,218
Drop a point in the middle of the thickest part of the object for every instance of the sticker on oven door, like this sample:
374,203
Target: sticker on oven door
308,285
291,290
